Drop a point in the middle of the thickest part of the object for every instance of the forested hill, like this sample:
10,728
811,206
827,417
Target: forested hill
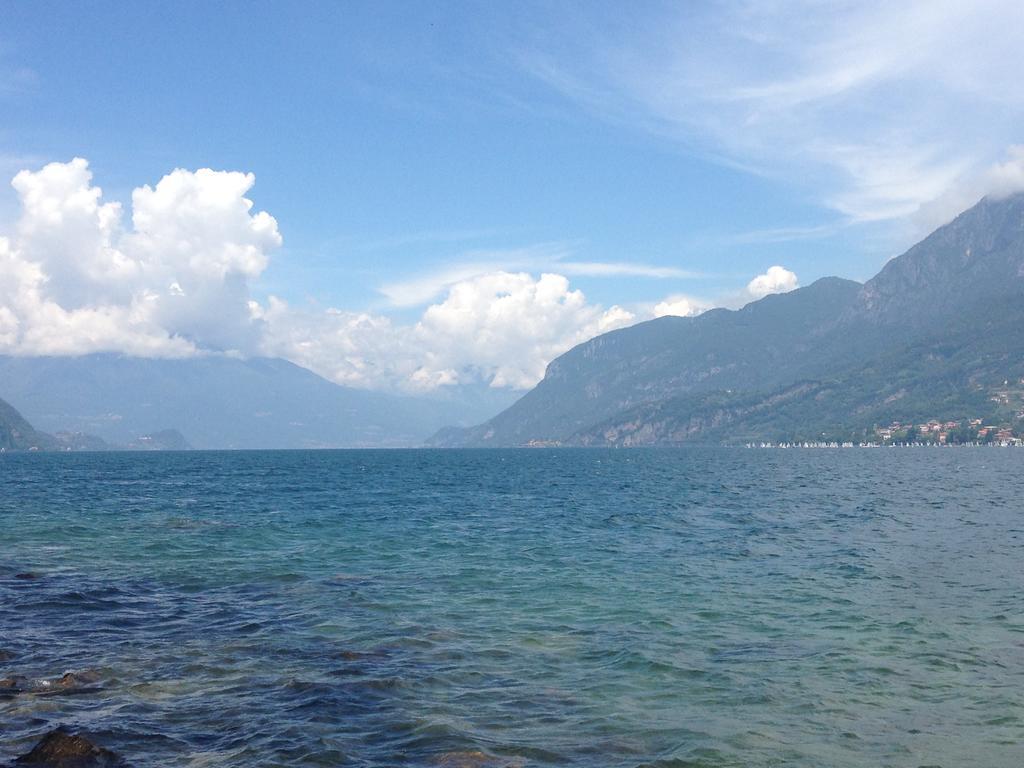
16,434
938,333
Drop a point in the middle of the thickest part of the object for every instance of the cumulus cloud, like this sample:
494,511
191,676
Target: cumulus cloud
502,328
545,257
353,348
680,306
423,288
74,280
775,280
175,280
71,236
511,325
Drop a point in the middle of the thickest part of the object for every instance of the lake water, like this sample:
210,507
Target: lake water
522,608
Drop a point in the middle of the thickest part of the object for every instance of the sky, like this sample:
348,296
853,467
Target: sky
408,196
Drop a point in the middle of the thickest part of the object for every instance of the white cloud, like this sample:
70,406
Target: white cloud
70,235
202,246
511,325
75,279
1000,179
879,108
622,269
421,289
502,328
680,306
352,348
778,235
545,257
775,280
32,323
177,282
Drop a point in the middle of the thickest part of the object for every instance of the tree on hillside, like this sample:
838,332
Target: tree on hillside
964,433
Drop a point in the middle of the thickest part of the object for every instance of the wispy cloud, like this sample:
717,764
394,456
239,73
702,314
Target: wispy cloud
778,235
877,108
544,257
623,269
422,288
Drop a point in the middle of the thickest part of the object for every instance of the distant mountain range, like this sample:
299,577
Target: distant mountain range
938,333
221,402
16,434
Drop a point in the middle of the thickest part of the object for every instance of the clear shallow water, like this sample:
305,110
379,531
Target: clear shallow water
580,608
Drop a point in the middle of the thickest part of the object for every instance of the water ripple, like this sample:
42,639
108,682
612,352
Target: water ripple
517,608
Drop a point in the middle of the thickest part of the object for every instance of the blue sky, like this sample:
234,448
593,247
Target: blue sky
658,151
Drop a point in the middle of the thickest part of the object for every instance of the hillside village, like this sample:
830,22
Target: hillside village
970,431
1006,427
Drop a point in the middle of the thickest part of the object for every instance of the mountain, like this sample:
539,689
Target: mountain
933,335
222,402
977,258
16,434
659,359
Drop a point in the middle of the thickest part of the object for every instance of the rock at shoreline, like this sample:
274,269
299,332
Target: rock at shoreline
60,749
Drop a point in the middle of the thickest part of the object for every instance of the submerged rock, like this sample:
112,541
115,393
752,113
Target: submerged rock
60,749
75,682
349,655
13,684
352,655
473,758
69,683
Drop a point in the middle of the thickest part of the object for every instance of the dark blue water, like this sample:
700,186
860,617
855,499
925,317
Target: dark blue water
577,608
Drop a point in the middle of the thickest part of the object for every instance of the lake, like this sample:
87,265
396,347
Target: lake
691,607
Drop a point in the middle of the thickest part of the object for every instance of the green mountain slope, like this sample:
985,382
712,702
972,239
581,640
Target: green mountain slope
952,376
16,434
747,350
932,335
